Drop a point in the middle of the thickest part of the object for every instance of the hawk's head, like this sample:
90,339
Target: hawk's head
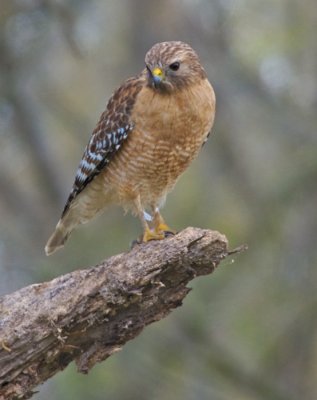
172,65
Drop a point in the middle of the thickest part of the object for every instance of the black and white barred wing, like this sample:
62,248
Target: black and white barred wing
109,135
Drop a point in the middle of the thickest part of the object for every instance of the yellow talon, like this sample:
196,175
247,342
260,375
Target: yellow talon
162,227
150,235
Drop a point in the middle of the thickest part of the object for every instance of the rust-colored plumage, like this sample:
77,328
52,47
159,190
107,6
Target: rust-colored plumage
153,127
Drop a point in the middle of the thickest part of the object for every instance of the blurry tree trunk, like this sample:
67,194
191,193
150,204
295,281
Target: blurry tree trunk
89,314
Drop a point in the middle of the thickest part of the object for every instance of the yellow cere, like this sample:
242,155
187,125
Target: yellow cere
157,72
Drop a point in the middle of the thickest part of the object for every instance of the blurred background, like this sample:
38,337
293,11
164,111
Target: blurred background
249,331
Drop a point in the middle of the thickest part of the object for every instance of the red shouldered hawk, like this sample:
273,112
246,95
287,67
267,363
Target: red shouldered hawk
153,127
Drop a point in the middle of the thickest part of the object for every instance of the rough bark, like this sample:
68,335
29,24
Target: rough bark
89,314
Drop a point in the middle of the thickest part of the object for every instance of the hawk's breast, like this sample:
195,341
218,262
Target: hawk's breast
169,130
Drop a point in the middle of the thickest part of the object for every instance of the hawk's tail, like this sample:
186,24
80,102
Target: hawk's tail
59,237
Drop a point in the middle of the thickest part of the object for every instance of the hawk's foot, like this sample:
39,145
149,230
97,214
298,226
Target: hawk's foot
152,235
165,229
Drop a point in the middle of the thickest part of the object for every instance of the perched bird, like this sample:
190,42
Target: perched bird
153,127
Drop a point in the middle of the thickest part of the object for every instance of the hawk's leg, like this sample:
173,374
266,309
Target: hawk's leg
160,225
148,234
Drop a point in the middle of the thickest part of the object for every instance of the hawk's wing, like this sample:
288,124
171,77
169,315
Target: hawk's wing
107,138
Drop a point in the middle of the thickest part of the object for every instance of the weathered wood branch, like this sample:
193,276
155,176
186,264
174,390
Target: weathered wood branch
89,314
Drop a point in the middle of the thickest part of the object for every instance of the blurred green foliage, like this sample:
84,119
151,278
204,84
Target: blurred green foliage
249,330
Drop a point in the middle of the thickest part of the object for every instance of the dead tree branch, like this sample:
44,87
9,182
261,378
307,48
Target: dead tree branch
89,314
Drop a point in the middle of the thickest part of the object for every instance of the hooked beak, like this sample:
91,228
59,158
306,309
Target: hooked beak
157,75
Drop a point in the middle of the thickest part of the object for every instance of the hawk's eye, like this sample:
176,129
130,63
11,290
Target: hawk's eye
174,66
